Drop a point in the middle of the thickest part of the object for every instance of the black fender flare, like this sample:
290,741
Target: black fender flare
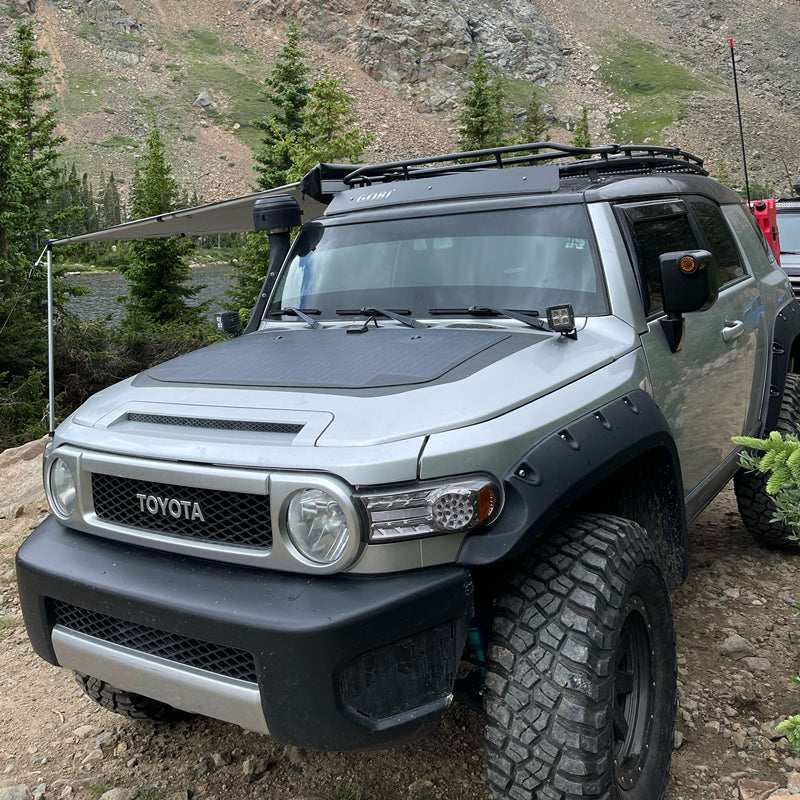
565,466
785,331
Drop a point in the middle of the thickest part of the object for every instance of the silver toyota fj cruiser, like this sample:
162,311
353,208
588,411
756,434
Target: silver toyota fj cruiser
456,448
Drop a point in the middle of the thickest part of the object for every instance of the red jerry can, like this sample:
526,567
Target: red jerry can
767,219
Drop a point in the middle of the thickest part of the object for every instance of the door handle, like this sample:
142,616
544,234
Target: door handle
732,330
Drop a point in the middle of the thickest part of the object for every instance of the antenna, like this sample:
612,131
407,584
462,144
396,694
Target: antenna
741,129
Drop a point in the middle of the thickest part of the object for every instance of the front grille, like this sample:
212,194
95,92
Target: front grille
215,424
219,659
795,281
205,515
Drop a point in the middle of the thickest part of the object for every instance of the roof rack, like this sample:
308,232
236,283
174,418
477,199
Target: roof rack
612,158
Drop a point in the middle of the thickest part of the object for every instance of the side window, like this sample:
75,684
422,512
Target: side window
720,241
652,237
753,242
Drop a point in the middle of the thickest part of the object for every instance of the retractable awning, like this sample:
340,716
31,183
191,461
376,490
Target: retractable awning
225,216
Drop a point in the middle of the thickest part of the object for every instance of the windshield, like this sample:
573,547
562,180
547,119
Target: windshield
524,259
789,231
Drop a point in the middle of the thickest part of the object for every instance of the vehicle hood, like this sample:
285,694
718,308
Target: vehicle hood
326,388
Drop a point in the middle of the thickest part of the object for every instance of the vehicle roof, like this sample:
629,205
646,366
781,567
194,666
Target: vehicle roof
532,184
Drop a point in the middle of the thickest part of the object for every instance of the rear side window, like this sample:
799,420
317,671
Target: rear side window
720,241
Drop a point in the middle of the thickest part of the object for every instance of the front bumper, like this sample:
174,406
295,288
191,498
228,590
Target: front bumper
325,662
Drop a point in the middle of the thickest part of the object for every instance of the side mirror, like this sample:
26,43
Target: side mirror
688,283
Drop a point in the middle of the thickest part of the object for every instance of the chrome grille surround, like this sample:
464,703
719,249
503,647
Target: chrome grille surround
244,495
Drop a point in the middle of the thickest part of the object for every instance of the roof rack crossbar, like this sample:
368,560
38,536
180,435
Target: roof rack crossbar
603,157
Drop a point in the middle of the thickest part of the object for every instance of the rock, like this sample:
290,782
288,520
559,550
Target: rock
294,755
254,765
203,100
93,757
756,664
739,739
755,790
221,759
20,792
678,739
120,794
793,782
85,731
768,729
39,791
105,739
712,726
125,58
736,646
25,452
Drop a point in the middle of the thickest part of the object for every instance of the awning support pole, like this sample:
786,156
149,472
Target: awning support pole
50,355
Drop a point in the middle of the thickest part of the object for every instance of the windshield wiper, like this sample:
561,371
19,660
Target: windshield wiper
301,313
401,315
529,317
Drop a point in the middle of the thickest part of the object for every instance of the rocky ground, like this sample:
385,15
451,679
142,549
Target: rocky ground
738,643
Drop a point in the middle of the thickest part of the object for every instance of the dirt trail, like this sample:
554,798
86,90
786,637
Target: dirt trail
51,735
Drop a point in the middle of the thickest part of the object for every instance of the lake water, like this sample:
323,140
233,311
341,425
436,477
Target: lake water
106,286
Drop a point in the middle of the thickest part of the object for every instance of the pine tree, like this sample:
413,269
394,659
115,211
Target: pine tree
287,88
36,124
329,129
30,180
535,128
157,268
313,123
484,121
580,136
110,204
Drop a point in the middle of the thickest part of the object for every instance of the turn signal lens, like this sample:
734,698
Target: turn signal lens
456,505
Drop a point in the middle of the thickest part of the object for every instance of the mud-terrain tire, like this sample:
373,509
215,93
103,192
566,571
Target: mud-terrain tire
131,705
581,674
756,507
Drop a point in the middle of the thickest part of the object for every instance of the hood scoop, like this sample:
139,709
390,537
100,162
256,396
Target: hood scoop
329,359
213,424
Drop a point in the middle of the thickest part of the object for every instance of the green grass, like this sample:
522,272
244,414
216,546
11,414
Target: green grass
99,787
653,82
205,43
6,623
118,140
520,93
83,96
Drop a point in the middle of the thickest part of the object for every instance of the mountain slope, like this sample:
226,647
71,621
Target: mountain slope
646,70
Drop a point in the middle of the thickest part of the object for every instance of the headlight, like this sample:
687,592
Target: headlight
62,492
317,526
455,505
